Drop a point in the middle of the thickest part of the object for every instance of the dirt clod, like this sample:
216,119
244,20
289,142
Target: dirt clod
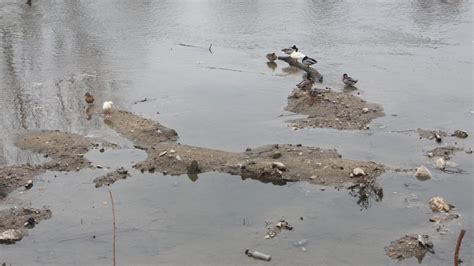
111,177
15,222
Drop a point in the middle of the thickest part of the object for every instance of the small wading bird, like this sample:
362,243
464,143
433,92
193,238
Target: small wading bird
272,57
308,61
289,50
348,80
107,108
89,98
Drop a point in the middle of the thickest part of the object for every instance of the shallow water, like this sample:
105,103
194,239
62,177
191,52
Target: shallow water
413,58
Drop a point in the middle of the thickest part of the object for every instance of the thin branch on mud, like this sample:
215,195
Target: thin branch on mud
210,48
403,131
458,246
113,219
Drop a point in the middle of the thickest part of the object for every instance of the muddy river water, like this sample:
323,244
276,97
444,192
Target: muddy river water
414,58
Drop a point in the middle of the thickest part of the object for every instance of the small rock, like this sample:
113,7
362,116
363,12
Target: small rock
468,151
358,172
279,166
172,151
102,150
276,155
29,184
423,173
430,154
365,110
440,163
10,236
313,177
248,149
438,204
178,158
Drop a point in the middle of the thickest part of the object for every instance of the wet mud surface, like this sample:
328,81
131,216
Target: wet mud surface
277,164
14,177
326,108
14,223
65,150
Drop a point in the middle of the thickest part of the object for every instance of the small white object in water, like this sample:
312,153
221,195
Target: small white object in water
107,107
441,163
423,172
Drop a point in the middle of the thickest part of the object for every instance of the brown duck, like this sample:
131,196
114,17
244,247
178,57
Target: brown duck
89,98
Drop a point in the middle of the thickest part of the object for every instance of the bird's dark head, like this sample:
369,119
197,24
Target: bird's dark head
345,75
294,48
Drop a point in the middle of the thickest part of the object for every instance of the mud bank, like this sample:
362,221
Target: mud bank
14,177
277,164
65,150
330,109
111,177
141,131
15,222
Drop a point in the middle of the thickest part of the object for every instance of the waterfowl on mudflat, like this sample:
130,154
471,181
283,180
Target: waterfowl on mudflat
272,57
88,98
107,107
308,61
348,80
289,50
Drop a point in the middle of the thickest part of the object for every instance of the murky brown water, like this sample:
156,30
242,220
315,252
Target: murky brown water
414,58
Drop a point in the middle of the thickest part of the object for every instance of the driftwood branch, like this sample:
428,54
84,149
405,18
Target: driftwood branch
312,73
458,246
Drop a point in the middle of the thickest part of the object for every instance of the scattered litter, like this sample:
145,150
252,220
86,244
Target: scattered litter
438,204
276,229
410,246
443,218
258,255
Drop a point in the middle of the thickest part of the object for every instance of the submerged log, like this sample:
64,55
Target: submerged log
313,74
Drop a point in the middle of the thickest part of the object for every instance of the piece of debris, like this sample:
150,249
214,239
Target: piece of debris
11,236
276,229
410,246
445,152
422,173
30,223
365,110
438,204
432,134
443,218
276,155
460,134
357,172
29,184
279,166
163,153
440,163
258,255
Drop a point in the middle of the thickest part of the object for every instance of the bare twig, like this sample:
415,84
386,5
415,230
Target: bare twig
458,246
113,219
210,48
